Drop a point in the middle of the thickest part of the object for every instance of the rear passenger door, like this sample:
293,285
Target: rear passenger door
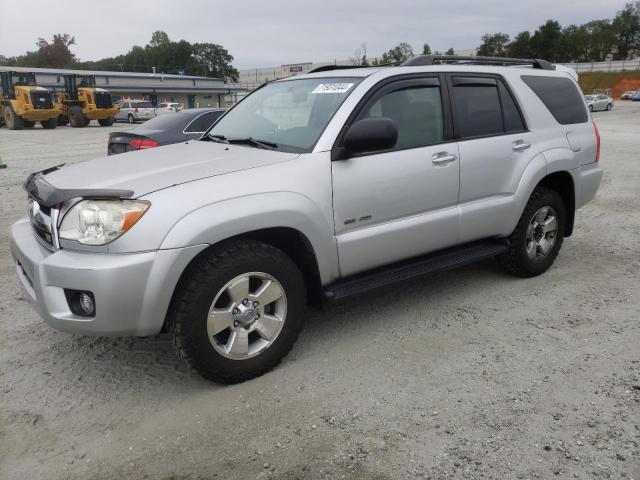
495,148
398,203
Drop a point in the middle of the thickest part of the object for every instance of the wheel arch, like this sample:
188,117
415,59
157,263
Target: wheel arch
562,182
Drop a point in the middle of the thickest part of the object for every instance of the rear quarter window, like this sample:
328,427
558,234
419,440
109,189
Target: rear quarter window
560,96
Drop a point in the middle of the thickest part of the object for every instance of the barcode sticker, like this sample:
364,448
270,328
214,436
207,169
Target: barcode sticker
332,88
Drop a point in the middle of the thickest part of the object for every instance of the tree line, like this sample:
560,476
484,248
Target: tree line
161,54
594,41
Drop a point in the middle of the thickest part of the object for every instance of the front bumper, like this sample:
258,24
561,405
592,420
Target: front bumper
132,291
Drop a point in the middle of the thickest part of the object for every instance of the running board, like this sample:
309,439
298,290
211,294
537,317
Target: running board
425,265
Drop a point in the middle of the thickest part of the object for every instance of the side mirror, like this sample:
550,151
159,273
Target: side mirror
370,135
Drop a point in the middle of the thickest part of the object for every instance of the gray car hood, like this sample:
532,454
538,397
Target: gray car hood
149,170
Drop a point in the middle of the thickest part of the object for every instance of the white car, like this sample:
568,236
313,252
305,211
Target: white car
599,102
133,111
167,107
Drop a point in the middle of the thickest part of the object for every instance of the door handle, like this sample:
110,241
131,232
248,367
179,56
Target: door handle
443,157
520,145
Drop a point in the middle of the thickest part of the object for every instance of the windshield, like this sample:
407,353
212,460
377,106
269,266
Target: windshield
23,79
290,114
86,81
588,98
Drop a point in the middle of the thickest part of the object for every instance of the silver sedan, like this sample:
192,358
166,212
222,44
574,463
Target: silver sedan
599,102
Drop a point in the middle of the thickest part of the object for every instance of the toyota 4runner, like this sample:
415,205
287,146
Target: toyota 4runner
312,188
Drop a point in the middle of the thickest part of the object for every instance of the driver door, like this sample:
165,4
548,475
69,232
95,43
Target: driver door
400,203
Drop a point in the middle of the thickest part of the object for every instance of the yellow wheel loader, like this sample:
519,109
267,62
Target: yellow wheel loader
82,102
24,103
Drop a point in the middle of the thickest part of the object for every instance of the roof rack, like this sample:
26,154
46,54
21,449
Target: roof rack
421,60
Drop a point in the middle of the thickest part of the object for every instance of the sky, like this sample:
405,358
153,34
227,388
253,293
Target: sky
265,33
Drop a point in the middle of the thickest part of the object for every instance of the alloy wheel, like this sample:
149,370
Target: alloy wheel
542,233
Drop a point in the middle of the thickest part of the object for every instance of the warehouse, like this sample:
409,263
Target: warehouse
191,92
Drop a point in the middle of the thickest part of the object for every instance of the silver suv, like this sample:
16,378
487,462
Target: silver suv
133,111
312,189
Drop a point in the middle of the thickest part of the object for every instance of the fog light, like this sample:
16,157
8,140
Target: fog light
87,304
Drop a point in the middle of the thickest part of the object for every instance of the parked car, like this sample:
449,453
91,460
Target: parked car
599,102
628,95
133,111
168,108
164,130
636,96
313,188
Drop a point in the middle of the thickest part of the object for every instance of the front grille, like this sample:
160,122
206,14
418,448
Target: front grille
40,218
41,100
103,100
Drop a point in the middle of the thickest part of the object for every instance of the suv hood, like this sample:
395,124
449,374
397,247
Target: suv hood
149,170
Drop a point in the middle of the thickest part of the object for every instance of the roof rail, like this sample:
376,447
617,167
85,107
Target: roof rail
433,59
326,68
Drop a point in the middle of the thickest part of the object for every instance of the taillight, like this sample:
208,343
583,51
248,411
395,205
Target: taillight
595,128
142,143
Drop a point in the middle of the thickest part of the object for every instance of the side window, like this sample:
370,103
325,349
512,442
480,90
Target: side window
561,97
512,119
476,106
417,112
203,122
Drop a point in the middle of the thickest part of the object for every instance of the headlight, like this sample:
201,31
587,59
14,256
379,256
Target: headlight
97,222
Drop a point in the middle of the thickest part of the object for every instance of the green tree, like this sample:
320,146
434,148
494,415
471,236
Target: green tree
399,53
159,39
602,40
520,47
426,49
54,54
493,45
575,44
626,28
451,51
216,59
546,41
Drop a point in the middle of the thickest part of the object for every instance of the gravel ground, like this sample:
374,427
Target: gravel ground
469,374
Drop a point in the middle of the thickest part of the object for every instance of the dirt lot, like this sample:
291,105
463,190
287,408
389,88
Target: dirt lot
470,374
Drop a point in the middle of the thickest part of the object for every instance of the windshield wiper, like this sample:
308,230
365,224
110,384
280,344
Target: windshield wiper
216,138
254,143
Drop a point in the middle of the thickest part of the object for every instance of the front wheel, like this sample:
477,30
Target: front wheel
536,241
609,106
131,119
591,108
237,311
12,119
106,122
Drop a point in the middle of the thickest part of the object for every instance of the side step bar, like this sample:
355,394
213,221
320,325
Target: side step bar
428,264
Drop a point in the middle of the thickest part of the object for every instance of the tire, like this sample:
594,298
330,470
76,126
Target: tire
131,119
609,106
62,120
206,281
591,108
50,124
518,260
29,124
106,122
77,118
12,120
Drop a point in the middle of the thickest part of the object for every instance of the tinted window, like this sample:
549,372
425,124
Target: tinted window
165,122
512,119
203,122
477,109
560,96
417,112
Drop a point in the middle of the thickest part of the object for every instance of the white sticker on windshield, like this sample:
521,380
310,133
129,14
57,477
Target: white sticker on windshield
332,88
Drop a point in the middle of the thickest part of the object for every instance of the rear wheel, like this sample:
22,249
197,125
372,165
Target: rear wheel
131,119
106,122
62,120
591,108
11,119
536,241
609,106
237,311
50,124
77,118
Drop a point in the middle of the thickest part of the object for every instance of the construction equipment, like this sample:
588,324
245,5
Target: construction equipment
24,103
82,102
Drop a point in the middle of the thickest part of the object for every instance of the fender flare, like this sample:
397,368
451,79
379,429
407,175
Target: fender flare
229,218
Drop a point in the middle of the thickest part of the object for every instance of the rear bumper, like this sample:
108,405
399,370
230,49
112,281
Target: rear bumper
101,113
588,181
132,292
39,115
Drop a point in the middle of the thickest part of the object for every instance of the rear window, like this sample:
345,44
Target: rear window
203,122
560,96
165,122
142,105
